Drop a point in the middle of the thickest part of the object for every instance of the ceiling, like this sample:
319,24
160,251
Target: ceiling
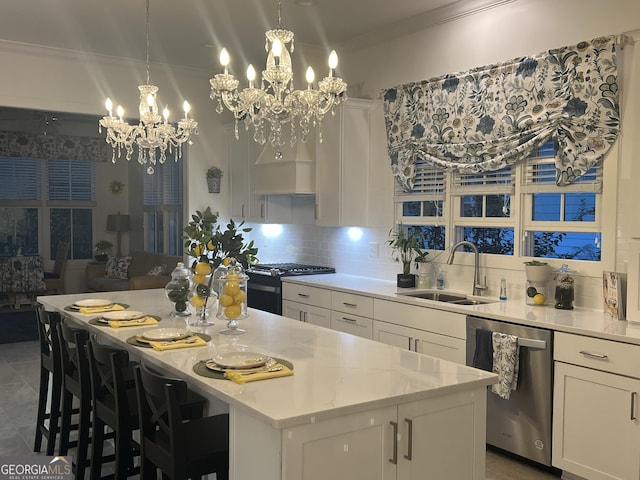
190,33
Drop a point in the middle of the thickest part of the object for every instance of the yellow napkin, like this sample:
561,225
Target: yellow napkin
133,323
90,310
199,342
242,378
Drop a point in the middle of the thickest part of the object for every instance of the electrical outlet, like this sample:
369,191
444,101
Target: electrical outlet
373,249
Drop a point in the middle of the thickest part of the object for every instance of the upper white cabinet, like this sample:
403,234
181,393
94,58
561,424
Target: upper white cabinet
243,152
354,184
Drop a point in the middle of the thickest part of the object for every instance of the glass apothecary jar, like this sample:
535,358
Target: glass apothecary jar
179,290
564,292
232,297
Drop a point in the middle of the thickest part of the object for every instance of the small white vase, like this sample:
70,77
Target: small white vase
537,273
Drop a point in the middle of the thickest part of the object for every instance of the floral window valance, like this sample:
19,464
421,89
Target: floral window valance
60,147
493,116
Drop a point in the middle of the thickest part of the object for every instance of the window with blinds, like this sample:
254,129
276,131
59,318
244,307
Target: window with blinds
485,194
71,180
26,178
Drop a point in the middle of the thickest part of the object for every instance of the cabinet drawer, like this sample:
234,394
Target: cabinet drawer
353,324
605,355
305,294
429,319
350,303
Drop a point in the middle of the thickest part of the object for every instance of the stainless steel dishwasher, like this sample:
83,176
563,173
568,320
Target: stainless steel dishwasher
522,424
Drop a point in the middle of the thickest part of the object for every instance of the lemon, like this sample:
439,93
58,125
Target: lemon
225,300
232,311
231,288
539,299
210,245
198,250
203,268
199,279
197,301
225,261
239,297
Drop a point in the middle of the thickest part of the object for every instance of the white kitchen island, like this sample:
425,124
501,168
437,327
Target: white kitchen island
354,408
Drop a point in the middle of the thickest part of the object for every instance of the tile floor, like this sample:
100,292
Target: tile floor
19,377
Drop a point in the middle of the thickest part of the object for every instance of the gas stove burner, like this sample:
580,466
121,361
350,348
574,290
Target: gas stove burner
289,269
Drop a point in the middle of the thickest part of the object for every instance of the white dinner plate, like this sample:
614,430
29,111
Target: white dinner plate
93,302
241,360
122,315
165,334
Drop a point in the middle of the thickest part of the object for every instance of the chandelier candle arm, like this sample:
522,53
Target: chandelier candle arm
154,134
277,103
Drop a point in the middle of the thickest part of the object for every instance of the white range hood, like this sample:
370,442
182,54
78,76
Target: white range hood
287,169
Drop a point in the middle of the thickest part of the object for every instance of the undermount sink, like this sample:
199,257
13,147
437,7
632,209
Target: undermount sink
447,298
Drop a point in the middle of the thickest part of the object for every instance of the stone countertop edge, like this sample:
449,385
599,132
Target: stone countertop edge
580,321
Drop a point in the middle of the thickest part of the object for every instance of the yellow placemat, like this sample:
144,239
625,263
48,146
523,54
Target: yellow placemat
92,310
201,368
141,342
103,322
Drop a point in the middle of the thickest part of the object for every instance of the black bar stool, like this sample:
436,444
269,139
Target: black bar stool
50,372
114,404
181,448
76,384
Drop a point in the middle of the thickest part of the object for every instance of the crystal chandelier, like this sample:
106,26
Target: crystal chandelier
276,102
153,134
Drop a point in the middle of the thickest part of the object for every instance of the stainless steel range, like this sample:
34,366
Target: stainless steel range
265,283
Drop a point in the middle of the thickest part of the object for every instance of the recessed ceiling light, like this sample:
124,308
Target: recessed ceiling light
306,3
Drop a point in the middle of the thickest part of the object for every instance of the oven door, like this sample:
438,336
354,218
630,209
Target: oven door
265,293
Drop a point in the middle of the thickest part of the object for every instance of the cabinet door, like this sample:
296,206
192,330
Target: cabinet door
596,431
443,438
353,447
242,157
393,335
307,313
353,324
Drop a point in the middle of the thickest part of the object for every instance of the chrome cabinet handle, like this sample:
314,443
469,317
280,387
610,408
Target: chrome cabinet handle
394,458
594,355
410,339
303,295
350,320
262,210
415,345
633,405
242,212
409,439
352,305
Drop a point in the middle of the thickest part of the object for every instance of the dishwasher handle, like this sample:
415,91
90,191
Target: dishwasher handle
532,343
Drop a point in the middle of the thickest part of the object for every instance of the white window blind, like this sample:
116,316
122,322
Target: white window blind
22,179
488,183
430,184
540,177
72,180
164,187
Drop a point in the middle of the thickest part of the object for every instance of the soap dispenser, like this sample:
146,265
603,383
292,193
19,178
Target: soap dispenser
441,280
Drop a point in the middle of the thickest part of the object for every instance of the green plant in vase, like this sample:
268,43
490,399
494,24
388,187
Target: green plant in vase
407,244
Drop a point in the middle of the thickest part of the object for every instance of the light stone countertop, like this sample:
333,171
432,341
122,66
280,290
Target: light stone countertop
580,321
335,374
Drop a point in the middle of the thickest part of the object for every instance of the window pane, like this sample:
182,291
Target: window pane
18,231
151,232
434,236
546,207
82,245
432,208
411,209
568,245
498,206
580,207
490,240
71,180
60,221
471,206
25,179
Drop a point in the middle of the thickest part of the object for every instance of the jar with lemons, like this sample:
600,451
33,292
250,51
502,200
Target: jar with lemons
537,286
232,302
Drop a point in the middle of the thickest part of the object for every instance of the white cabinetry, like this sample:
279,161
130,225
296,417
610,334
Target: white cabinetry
596,430
354,183
398,442
352,314
424,330
307,304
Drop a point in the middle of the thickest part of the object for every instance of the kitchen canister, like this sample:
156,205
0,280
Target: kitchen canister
179,290
564,291
232,297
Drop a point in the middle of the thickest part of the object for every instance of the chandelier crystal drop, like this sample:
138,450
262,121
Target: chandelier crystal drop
153,134
276,103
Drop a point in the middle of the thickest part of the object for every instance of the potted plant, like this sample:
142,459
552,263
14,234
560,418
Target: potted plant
214,174
537,271
407,244
102,251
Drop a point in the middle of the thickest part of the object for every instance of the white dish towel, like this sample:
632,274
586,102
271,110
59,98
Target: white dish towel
506,360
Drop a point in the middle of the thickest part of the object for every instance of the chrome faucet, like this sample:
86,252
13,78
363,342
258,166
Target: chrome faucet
477,287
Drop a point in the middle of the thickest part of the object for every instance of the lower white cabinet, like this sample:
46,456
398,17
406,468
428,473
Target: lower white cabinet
416,440
353,324
307,313
596,425
436,345
433,332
